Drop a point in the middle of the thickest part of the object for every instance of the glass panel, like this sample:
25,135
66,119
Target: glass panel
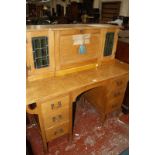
40,52
43,42
44,52
37,43
109,43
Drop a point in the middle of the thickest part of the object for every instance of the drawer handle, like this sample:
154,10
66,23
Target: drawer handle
60,116
52,106
59,104
114,105
54,119
117,94
61,130
119,83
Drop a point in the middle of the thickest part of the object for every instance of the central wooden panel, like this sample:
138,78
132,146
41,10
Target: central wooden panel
69,50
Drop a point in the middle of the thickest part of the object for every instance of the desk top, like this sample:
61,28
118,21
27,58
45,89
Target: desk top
52,87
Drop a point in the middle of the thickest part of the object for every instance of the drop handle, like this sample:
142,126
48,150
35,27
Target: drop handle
119,83
114,105
52,106
54,119
60,116
116,94
61,130
55,133
59,104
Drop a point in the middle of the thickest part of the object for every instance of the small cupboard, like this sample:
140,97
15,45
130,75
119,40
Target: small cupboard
40,54
110,37
62,49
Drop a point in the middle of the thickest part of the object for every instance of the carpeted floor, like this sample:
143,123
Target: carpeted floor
89,136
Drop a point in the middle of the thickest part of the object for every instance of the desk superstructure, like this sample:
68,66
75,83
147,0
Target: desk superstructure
66,60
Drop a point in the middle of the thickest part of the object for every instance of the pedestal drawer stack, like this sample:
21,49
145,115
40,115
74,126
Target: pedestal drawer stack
55,114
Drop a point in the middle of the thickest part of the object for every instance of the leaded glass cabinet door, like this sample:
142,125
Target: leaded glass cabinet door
109,43
40,52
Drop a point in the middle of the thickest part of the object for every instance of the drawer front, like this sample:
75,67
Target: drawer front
76,51
58,131
120,82
54,105
114,104
55,118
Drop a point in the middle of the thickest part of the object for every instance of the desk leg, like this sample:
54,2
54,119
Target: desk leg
72,110
43,135
103,118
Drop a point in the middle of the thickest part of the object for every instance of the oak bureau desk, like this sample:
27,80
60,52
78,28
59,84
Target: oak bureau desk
64,61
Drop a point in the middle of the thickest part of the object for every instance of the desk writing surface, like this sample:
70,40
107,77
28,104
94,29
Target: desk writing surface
52,87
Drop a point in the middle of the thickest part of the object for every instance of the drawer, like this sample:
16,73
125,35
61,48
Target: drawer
120,82
114,104
58,131
54,104
55,118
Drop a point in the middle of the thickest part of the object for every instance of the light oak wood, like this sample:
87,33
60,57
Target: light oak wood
34,74
54,132
104,32
64,56
102,79
53,105
70,26
56,117
54,87
114,104
67,54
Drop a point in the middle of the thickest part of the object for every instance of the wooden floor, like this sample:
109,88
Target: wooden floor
90,137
